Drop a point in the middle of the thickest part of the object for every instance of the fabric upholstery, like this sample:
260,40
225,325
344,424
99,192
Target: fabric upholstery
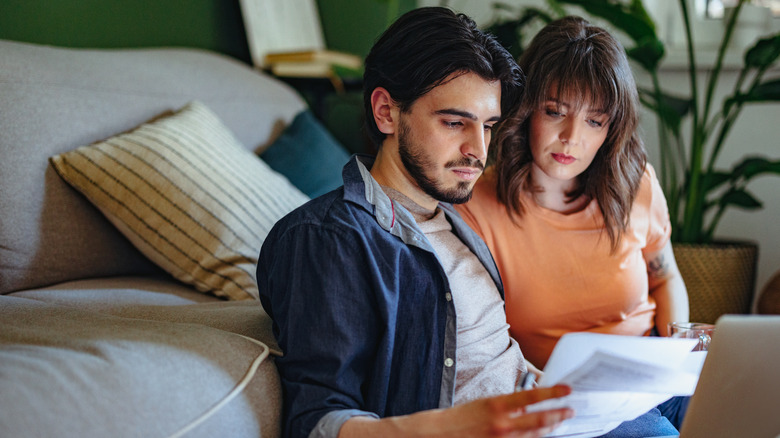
69,371
56,99
186,193
308,155
159,299
95,339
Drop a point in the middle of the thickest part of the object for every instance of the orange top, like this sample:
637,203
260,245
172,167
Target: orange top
558,273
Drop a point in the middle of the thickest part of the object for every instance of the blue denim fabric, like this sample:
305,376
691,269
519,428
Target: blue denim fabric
651,424
674,409
359,306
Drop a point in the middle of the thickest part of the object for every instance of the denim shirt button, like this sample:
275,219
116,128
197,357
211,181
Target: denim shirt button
448,296
448,362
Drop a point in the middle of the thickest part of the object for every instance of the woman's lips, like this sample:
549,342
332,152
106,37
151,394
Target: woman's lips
563,158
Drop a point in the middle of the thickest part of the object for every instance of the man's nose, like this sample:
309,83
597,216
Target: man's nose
476,144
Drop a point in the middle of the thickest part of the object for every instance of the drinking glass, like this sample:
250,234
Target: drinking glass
693,330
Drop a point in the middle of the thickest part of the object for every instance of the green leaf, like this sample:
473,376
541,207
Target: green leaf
768,91
680,105
501,6
713,180
631,18
671,109
508,32
754,166
648,53
740,198
764,53
556,8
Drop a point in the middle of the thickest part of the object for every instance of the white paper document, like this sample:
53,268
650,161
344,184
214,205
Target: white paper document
617,378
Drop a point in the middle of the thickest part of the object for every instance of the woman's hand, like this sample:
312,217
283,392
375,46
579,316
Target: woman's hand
533,370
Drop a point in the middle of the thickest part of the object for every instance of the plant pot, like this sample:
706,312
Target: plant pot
720,277
769,301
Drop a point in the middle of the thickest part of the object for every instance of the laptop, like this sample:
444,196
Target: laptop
738,393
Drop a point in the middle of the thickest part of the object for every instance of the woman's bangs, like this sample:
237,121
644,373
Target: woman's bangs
581,84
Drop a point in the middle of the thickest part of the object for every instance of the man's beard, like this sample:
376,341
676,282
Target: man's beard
416,162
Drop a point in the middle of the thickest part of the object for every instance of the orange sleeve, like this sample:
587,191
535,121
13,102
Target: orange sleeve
660,228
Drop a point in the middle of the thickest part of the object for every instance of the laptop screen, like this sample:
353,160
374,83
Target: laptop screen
738,393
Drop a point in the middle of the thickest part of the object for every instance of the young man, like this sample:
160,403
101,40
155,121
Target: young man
389,309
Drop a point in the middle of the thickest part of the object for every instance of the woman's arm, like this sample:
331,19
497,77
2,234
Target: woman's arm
667,288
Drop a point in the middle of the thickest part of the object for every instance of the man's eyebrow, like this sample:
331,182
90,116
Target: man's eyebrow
464,114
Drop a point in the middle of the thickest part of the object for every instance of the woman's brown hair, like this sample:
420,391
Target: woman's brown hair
572,58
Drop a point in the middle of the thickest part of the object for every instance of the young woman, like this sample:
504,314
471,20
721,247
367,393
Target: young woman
571,210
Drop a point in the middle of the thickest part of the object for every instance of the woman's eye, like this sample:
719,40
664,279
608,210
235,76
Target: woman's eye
598,123
552,112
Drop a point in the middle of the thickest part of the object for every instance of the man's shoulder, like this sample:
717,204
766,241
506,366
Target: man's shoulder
328,211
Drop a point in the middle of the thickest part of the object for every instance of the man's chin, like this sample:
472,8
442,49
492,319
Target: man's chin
457,196
461,200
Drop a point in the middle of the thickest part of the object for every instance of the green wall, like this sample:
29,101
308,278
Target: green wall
209,24
353,26
217,25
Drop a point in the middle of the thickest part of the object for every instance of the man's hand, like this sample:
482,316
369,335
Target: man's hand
500,416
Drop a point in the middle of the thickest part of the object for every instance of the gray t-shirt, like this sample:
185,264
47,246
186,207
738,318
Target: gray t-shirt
489,361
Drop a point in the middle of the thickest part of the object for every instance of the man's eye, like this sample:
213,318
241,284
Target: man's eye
452,124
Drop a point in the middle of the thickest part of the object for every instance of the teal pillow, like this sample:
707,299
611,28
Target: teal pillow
308,155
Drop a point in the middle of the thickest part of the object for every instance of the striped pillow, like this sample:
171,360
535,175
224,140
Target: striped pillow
185,192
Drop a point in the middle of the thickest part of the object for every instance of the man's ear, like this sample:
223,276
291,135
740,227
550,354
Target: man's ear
385,110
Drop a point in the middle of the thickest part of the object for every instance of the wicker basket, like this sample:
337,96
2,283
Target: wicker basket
769,301
720,277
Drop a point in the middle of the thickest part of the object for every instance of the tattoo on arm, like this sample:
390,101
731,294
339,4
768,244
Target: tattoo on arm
657,267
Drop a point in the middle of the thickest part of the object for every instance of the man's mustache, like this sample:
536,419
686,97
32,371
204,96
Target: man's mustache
466,162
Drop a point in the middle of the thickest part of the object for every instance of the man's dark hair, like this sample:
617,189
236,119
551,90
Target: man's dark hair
422,49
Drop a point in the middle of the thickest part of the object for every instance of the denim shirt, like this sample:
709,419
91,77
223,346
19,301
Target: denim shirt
361,308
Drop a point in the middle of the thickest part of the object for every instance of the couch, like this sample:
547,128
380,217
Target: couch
127,293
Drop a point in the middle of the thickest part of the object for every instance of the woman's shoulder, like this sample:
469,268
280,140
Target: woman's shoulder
649,175
487,181
649,182
650,195
484,194
484,202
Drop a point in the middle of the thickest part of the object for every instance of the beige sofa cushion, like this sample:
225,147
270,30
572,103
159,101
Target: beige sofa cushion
187,195
53,100
69,371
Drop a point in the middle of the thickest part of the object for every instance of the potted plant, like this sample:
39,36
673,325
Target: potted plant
698,193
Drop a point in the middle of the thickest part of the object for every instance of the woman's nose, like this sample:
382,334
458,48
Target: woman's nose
570,132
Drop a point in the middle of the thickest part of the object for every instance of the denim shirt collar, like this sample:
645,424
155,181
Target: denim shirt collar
361,188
